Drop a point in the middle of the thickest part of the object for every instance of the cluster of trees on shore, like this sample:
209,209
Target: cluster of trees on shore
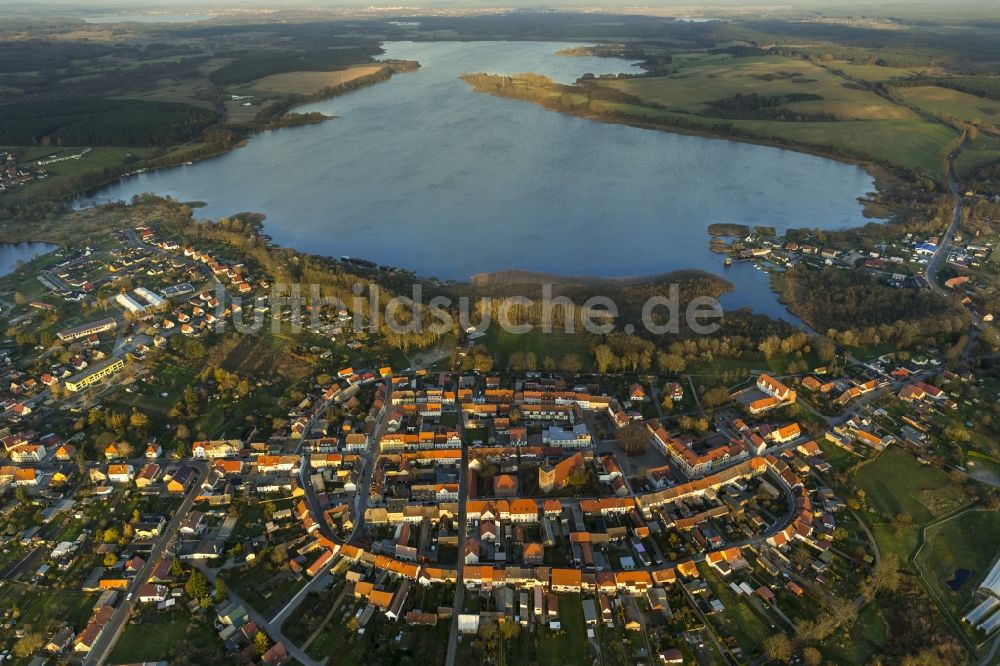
276,114
859,310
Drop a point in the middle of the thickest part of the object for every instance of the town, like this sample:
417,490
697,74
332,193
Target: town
319,498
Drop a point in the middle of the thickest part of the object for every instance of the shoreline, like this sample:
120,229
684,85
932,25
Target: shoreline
879,173
387,71
515,276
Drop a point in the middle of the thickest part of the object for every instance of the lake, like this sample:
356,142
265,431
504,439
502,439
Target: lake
423,173
11,253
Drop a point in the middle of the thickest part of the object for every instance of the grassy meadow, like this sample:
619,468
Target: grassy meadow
970,542
949,103
896,483
698,84
849,118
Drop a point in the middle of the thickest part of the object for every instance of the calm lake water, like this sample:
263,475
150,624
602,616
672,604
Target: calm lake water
11,253
421,172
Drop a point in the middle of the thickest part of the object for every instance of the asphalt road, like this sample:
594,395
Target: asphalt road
463,494
930,273
102,647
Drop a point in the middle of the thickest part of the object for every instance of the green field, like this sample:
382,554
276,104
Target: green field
896,483
913,144
90,168
860,643
952,103
556,344
984,150
971,542
569,644
153,641
45,610
840,458
705,81
739,619
95,160
861,123
873,73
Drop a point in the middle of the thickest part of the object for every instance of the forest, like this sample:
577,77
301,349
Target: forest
831,298
87,121
251,66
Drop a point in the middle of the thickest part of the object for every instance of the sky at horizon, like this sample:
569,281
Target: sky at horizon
188,5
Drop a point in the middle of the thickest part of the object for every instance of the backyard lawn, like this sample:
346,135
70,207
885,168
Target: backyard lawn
569,644
152,641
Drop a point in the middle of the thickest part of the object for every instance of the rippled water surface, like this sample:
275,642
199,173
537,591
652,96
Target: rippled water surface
423,173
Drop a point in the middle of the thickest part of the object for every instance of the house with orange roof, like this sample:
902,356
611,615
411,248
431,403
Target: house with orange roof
869,439
785,433
635,582
322,561
482,577
505,485
431,575
28,453
523,511
147,475
847,396
25,476
666,576
533,553
111,451
553,477
607,506
763,405
931,391
65,453
688,569
120,473
566,580
911,393
811,383
774,388
225,448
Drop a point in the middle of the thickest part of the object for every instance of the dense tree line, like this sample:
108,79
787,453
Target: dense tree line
252,65
765,107
980,86
855,303
89,121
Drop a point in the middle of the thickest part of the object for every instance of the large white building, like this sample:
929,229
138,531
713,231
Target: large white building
151,297
986,616
574,437
129,303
